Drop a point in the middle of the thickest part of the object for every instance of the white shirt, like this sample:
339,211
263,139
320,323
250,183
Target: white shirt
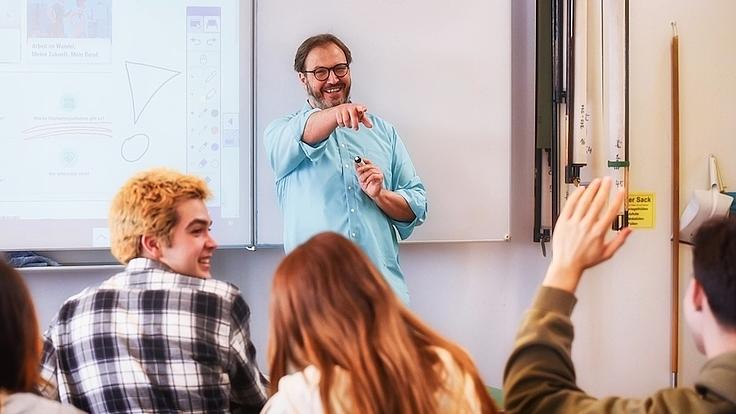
299,392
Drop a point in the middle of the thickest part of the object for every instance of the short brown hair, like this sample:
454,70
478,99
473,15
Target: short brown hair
146,205
714,266
20,342
317,41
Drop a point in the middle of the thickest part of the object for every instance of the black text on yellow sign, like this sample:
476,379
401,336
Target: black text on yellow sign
641,210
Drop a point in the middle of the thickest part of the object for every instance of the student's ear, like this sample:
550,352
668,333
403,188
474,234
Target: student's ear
697,295
151,247
303,79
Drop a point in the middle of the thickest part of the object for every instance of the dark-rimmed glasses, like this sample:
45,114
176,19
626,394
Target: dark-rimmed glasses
321,73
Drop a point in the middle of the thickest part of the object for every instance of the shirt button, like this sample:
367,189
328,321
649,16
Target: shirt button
346,166
343,145
352,234
352,210
350,188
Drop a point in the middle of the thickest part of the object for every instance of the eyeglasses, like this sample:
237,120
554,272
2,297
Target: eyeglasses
320,73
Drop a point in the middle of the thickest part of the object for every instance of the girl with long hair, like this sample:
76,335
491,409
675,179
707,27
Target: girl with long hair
342,342
20,350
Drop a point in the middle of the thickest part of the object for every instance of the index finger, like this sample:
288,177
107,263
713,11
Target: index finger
583,204
366,120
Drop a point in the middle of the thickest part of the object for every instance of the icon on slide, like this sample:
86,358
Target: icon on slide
68,103
145,81
69,157
134,147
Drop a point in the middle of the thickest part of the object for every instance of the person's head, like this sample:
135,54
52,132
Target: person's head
160,214
331,308
20,342
323,64
712,292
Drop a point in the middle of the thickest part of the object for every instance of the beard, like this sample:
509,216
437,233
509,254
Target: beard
317,97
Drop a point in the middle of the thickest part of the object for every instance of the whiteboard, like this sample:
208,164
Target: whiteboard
439,71
95,92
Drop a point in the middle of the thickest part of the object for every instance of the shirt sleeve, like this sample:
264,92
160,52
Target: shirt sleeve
48,386
284,146
540,376
406,182
248,385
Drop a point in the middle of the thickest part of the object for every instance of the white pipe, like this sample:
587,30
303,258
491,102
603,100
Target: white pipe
614,83
581,112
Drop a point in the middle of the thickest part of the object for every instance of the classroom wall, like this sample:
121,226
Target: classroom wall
624,313
475,293
707,106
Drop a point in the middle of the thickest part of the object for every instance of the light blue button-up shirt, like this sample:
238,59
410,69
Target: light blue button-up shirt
318,189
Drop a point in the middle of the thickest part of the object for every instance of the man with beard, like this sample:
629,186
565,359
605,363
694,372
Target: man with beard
339,168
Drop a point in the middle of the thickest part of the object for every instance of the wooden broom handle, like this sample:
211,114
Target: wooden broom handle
675,311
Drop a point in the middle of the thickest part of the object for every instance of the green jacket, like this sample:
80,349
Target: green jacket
540,377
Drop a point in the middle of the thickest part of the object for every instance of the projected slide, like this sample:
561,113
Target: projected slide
96,90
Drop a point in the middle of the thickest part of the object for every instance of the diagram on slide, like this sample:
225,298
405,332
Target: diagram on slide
145,81
134,147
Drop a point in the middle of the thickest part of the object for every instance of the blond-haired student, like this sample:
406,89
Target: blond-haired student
163,335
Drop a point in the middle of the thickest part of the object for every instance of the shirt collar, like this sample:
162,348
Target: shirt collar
151,274
141,263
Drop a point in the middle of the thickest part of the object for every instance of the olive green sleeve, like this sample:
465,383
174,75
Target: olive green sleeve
540,376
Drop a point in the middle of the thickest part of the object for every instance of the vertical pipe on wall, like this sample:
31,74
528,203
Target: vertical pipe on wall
675,311
614,38
558,19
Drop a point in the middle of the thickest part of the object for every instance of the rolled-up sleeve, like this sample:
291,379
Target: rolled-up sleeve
284,146
406,182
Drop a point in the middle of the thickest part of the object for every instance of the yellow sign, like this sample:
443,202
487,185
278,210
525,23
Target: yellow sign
641,210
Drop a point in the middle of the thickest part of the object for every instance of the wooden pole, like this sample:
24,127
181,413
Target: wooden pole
675,311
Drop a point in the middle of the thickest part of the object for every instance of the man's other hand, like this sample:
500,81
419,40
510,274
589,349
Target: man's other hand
370,178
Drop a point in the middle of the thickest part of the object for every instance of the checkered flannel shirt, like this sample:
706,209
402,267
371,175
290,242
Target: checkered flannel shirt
150,340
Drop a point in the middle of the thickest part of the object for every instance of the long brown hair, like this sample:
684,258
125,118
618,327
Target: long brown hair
20,341
332,309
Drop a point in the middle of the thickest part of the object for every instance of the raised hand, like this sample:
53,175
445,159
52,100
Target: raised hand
579,239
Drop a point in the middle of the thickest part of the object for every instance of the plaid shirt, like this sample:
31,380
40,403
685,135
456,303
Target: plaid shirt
149,340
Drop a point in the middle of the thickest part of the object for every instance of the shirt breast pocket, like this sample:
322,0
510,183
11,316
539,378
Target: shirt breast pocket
381,158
